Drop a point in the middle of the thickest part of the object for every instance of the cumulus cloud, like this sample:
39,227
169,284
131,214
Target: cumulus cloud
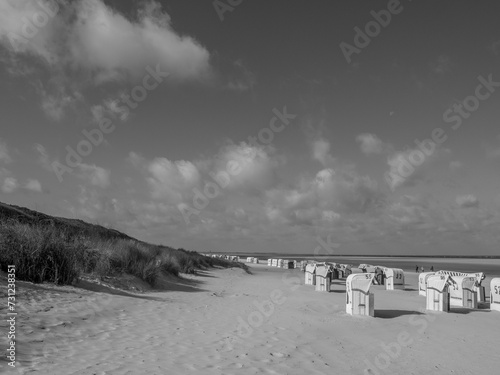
90,40
33,185
468,200
370,144
109,109
91,35
10,185
171,180
250,167
321,152
325,198
95,175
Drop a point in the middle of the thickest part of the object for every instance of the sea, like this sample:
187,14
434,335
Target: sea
489,266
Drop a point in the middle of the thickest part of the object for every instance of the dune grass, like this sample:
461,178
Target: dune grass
47,253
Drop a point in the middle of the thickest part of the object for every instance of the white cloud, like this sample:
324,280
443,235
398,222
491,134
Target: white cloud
468,200
171,180
33,185
252,165
110,108
95,175
91,35
370,144
9,185
135,159
88,39
321,152
56,102
326,198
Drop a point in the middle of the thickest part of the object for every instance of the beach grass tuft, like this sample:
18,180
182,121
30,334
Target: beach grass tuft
60,254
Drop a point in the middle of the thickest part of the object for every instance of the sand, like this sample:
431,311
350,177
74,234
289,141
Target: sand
195,327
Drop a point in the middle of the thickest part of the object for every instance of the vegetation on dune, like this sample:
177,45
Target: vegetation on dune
57,250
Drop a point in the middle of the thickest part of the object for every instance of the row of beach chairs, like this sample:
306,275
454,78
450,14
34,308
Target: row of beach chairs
442,289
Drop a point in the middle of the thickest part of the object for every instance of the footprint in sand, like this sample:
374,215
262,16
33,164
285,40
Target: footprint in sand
279,355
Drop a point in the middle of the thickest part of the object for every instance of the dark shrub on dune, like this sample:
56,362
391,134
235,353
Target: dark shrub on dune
40,254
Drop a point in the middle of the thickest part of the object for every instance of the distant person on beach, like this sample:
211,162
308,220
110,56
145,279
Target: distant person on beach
416,269
421,269
432,268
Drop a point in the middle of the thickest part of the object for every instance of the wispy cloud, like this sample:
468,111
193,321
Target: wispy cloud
43,156
242,79
468,200
442,65
10,185
4,153
94,175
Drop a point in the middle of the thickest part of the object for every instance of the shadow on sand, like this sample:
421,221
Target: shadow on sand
463,310
93,287
179,284
391,314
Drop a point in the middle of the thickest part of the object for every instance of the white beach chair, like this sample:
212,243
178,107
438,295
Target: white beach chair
395,278
495,294
310,274
359,300
437,294
323,278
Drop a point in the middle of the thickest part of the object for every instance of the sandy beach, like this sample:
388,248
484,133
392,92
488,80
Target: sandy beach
225,321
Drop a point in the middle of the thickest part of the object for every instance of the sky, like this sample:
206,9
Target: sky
326,127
